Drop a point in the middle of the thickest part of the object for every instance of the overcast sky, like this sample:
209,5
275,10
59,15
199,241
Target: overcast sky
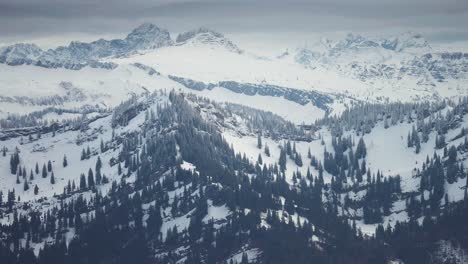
55,22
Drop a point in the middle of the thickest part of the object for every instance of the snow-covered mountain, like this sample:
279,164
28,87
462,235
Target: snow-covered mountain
400,67
206,36
80,54
193,150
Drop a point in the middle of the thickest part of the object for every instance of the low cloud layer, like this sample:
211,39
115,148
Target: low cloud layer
31,19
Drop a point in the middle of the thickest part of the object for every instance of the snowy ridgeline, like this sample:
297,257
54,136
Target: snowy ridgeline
177,159
301,85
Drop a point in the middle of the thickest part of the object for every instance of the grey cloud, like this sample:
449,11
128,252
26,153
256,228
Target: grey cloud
20,19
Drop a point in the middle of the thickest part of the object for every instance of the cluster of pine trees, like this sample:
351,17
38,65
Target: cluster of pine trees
266,212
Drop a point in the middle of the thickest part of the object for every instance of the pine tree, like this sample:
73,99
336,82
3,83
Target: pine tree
83,154
14,162
37,168
282,160
417,143
52,178
288,148
267,150
259,141
36,189
298,160
102,146
44,171
90,178
31,176
82,182
98,164
361,150
25,186
260,160
49,166
65,162
245,259
4,150
98,177
69,187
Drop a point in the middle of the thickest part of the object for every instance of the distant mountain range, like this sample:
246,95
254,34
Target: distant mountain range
403,67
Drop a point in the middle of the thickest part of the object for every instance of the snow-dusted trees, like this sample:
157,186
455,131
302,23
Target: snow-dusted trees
298,159
282,160
49,166
52,178
440,141
98,170
259,159
65,161
14,162
91,182
413,140
361,150
44,171
82,182
25,186
267,150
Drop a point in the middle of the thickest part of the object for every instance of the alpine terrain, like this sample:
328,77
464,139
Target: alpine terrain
189,148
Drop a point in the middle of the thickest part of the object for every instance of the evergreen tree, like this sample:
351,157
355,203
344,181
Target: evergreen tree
298,160
288,148
82,182
14,162
267,150
90,178
260,160
65,162
259,141
52,178
245,259
83,154
102,146
44,171
49,166
282,160
25,186
98,164
361,150
36,189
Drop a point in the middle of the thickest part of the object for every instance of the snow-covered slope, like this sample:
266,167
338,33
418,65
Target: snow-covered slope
401,67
